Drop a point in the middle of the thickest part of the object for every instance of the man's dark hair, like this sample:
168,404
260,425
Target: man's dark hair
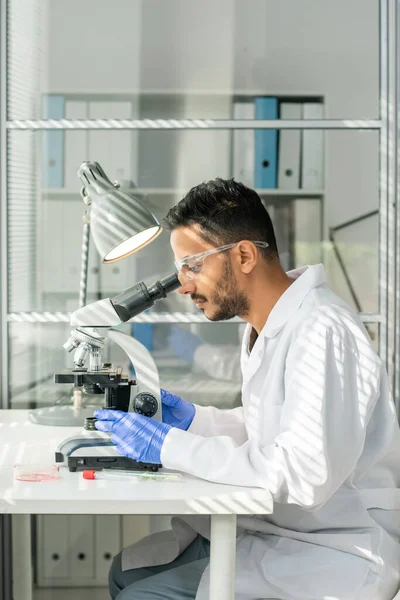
227,212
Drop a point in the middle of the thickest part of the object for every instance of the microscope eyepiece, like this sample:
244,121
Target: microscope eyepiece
139,298
170,283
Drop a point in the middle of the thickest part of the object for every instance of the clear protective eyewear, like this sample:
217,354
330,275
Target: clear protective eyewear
191,266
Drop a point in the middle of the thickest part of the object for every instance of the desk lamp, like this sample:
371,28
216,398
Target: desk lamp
120,225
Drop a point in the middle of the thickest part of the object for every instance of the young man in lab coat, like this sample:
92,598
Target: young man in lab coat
317,427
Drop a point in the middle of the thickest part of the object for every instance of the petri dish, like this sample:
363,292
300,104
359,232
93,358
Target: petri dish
32,472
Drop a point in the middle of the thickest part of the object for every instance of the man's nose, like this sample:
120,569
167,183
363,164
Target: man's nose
187,285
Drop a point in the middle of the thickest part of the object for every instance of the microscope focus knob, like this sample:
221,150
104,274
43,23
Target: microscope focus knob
145,404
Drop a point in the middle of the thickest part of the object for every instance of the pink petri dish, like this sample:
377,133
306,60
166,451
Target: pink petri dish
36,472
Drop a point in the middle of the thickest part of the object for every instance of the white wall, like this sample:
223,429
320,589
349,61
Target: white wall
94,45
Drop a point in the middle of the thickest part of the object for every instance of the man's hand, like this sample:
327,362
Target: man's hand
176,411
134,435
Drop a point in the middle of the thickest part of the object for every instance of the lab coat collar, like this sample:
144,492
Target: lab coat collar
305,279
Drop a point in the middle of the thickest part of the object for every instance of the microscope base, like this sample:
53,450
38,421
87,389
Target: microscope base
73,452
98,463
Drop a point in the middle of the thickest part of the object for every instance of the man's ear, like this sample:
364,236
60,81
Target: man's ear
246,256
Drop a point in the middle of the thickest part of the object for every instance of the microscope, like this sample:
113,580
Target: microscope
93,323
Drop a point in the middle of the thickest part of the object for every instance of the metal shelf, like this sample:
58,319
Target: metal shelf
294,194
191,124
161,317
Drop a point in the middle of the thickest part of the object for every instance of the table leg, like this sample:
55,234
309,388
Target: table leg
222,557
6,592
22,557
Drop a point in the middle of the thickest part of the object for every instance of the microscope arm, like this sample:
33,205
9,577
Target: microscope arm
86,439
146,369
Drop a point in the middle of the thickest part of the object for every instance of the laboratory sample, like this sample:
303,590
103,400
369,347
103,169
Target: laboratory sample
32,472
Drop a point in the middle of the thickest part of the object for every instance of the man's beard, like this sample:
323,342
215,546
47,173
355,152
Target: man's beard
229,300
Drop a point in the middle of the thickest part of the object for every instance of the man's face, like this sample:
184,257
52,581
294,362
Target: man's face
215,288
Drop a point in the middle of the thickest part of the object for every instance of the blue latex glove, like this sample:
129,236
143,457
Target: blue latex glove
184,343
135,436
176,411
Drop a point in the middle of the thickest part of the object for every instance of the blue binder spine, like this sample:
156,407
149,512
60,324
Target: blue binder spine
266,145
143,333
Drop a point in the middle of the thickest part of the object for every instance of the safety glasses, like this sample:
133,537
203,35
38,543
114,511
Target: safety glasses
191,266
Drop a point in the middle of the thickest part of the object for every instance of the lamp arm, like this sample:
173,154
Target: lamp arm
338,255
344,270
340,260
84,261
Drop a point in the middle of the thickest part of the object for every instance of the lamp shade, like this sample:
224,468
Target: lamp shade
120,223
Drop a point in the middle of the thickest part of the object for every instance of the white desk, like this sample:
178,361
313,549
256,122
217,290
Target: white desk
22,441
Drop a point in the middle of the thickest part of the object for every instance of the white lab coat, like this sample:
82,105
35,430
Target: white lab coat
318,430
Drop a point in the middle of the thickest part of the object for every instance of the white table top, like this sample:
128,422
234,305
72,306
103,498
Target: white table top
22,441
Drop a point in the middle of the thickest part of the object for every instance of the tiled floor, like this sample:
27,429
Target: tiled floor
72,594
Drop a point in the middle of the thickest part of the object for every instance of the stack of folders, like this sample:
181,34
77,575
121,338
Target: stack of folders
286,159
62,149
290,159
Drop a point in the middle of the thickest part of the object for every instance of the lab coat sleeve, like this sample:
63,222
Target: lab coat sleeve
210,421
219,361
331,386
